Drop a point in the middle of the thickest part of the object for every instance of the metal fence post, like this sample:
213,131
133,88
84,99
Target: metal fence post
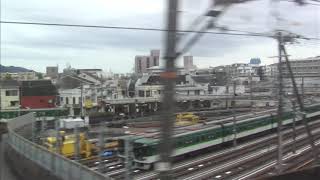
128,163
77,143
101,148
58,141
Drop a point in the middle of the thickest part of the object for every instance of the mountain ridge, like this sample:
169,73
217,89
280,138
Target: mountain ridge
13,69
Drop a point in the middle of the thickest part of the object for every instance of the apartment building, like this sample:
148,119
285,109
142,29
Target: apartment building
143,62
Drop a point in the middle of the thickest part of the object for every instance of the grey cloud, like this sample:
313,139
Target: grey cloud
253,16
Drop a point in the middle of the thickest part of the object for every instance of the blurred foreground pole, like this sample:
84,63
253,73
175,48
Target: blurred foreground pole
169,76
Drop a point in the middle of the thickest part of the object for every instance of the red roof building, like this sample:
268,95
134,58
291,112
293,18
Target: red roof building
38,94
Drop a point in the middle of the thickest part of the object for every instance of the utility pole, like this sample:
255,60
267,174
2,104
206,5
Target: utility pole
76,143
282,50
169,76
81,102
43,126
302,90
301,107
234,116
294,127
101,148
58,138
227,98
280,103
128,161
251,98
34,129
101,95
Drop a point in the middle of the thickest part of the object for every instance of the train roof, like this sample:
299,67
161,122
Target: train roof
189,130
148,141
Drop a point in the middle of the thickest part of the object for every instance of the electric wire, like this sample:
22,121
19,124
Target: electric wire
134,28
244,33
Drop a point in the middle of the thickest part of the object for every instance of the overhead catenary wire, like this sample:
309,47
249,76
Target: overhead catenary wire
305,3
241,33
133,28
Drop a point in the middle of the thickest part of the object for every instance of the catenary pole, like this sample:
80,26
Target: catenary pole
169,77
280,105
301,107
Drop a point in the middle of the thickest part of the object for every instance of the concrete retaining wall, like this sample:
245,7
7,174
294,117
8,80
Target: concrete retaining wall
24,168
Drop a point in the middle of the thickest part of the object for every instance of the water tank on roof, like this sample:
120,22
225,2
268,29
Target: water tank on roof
255,61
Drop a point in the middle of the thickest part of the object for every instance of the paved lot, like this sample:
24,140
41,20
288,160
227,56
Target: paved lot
5,173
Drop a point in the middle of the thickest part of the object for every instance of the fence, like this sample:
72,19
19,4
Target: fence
58,165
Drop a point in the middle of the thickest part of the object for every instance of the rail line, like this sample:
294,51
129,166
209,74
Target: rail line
245,161
265,168
190,165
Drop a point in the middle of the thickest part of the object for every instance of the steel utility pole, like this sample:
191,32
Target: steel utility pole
101,149
280,103
128,160
302,90
58,137
101,99
294,126
251,96
234,116
81,102
169,76
301,107
77,143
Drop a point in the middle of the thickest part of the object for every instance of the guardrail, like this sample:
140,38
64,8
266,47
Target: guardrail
58,165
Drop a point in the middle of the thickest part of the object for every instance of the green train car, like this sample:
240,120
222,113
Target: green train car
52,112
145,150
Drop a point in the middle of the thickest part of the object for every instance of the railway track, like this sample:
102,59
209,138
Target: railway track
260,158
237,165
95,161
269,167
180,169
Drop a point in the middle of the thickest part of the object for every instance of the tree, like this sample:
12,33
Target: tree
39,75
8,76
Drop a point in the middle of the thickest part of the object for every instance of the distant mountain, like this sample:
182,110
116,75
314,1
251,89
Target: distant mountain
13,69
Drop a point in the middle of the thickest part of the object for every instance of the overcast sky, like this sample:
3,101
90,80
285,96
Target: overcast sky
36,47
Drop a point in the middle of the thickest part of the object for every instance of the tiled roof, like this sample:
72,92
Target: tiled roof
38,88
9,83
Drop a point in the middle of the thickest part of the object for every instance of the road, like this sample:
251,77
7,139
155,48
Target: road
5,172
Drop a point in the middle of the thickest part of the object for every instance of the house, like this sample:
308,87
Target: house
151,85
9,94
38,94
71,81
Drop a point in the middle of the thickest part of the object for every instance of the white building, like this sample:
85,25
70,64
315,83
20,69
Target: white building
308,67
70,97
9,95
20,76
151,85
188,63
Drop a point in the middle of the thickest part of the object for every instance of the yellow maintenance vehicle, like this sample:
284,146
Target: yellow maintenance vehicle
88,148
186,119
